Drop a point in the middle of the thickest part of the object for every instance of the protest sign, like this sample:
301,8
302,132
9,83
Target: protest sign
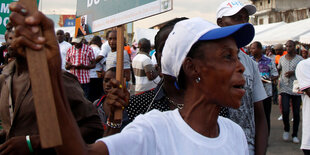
102,14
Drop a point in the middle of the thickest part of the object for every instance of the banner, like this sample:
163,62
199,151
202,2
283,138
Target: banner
62,20
97,15
5,13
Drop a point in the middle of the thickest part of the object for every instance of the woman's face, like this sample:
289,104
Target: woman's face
221,72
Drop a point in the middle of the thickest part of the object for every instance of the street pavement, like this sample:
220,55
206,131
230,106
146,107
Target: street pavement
276,145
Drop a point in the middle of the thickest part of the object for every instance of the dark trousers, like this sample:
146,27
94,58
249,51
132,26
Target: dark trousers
267,109
85,88
95,89
296,101
274,93
306,152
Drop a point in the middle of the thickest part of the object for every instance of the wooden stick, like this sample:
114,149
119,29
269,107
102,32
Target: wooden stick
119,66
44,102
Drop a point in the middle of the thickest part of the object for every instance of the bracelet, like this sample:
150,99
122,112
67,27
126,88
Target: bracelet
114,125
29,144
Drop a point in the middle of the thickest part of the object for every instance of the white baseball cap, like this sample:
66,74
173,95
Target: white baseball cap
187,32
231,7
76,40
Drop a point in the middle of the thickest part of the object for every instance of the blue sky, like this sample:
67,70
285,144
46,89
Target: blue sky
181,8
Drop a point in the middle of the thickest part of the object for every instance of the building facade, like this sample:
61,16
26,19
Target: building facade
272,11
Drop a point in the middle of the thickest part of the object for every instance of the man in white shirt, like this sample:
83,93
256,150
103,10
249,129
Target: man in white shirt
143,68
63,48
111,56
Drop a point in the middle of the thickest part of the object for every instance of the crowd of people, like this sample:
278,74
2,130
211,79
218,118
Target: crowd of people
172,101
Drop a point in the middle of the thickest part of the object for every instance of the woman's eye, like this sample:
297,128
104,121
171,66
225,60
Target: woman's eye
228,56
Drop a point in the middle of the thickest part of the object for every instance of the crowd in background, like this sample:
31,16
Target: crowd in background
155,78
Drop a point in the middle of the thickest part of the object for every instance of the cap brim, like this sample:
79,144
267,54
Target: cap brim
76,40
242,33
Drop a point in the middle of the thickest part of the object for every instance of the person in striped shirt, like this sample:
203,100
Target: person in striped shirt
79,60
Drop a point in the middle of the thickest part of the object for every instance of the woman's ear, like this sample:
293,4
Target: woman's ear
219,22
190,68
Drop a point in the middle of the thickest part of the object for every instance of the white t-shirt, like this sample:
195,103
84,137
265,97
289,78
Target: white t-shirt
142,64
99,65
105,49
64,47
158,132
111,60
303,76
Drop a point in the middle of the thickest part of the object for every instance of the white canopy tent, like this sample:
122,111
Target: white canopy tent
281,32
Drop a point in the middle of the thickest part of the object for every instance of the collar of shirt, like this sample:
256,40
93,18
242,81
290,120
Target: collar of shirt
263,58
141,52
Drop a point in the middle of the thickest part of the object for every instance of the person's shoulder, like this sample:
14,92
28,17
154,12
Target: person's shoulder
155,117
143,96
299,57
304,62
266,58
68,77
67,44
244,58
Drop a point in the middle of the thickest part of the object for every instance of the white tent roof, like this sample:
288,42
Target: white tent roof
267,27
283,32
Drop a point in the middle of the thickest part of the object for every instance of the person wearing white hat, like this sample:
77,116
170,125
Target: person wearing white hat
250,116
79,60
206,66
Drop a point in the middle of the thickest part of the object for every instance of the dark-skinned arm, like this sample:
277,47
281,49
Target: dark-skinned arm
261,129
99,58
90,66
26,27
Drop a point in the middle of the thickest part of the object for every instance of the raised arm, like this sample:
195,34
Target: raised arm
27,35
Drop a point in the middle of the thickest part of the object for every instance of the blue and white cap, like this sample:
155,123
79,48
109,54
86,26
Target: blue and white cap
231,7
187,32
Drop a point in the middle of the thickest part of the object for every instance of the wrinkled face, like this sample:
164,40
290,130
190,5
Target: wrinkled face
254,50
60,36
290,47
221,72
241,17
112,40
106,81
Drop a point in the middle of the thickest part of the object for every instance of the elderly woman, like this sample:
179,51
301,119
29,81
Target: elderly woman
204,59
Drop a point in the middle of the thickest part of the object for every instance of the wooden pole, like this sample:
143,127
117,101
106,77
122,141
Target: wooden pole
43,96
119,66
